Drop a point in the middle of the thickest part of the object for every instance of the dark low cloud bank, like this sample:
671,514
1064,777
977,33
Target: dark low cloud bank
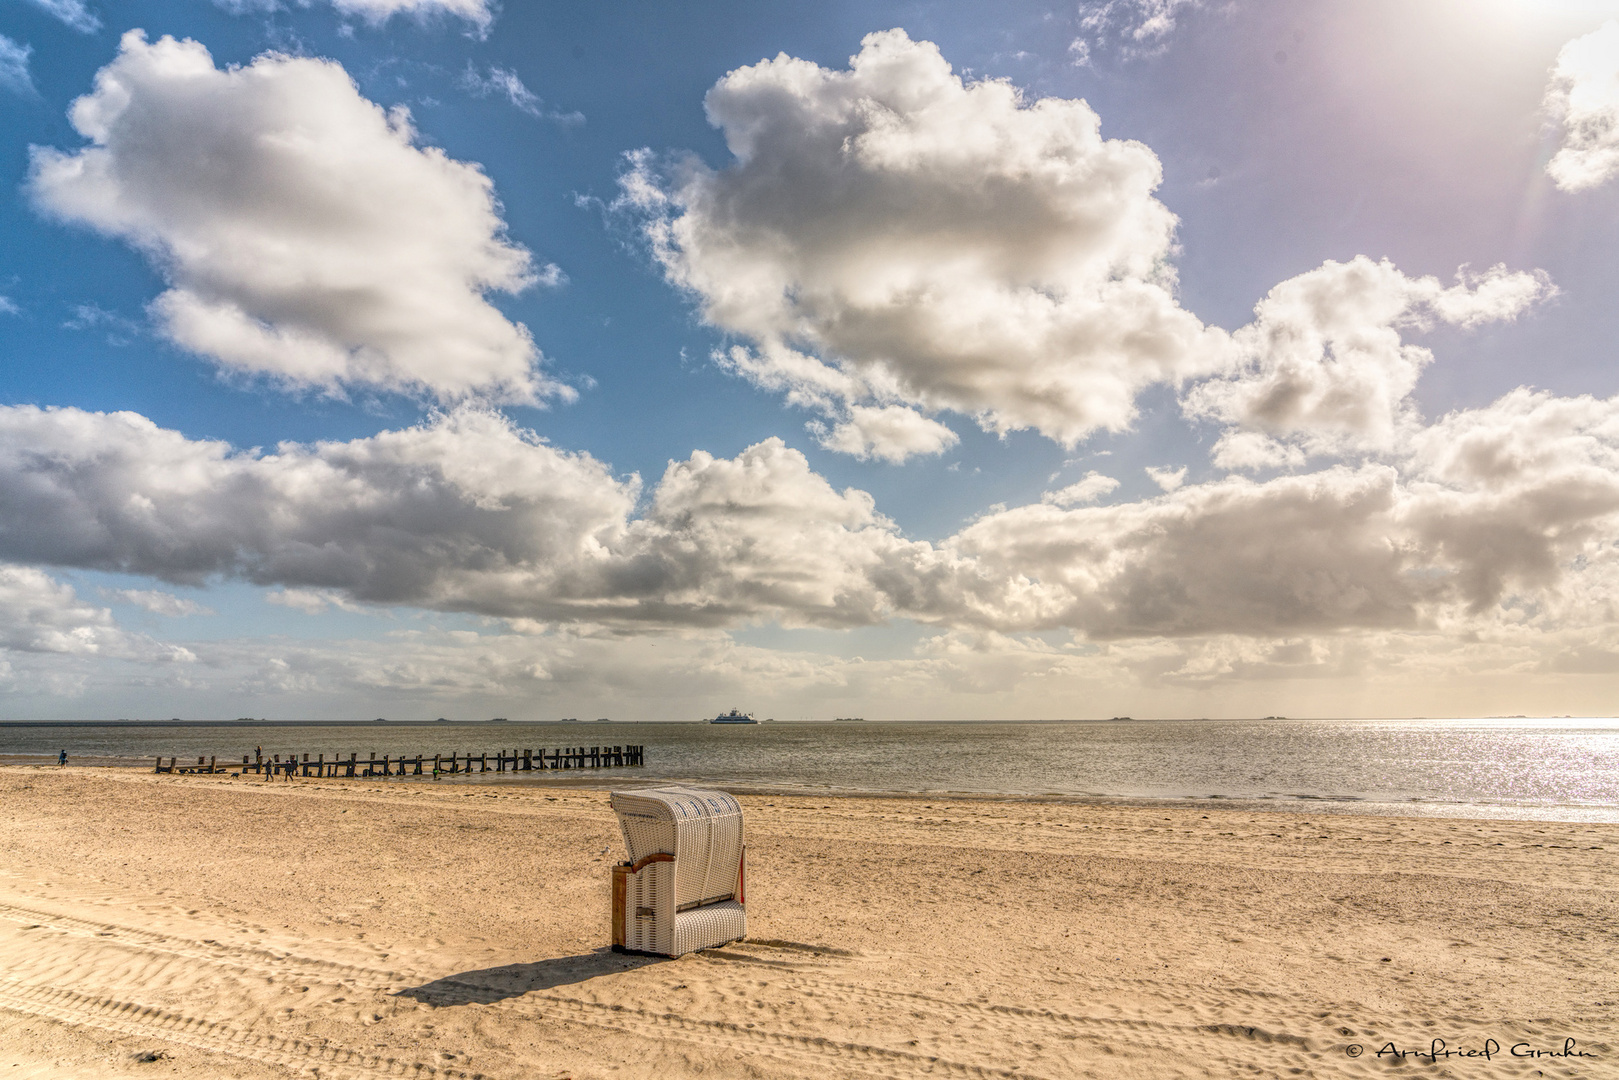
469,513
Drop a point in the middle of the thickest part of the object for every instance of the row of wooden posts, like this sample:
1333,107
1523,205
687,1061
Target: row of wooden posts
572,757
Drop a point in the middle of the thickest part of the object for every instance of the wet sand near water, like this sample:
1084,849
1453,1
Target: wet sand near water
206,926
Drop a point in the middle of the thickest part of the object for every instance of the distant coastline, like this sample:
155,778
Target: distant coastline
807,720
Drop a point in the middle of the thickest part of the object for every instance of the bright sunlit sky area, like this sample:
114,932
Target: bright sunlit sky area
422,358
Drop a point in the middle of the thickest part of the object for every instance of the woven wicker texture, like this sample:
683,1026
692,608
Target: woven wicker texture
690,903
649,924
707,926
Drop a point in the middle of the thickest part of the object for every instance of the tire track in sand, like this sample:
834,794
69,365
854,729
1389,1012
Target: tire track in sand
111,1012
939,1019
322,1057
213,951
328,1058
1014,1023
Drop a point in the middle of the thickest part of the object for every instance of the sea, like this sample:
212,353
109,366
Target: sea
1554,769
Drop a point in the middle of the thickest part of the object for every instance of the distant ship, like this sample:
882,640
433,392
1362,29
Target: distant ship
849,719
734,717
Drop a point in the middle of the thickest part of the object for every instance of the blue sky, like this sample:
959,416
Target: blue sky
838,395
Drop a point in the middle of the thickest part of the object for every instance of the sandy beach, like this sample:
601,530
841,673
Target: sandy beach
209,926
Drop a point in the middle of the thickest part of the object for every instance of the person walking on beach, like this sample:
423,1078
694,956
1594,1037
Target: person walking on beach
61,759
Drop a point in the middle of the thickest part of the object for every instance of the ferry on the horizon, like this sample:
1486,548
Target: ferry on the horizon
734,717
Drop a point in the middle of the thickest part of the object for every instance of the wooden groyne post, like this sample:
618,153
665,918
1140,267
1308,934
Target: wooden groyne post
451,764
200,767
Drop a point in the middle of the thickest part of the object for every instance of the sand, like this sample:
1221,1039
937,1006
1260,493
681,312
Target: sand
208,926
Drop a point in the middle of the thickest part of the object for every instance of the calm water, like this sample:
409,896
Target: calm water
1559,769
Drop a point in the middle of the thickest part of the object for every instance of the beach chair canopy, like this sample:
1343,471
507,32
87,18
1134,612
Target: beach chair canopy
682,887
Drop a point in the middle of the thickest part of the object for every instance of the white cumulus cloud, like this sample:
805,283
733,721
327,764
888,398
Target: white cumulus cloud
1088,490
457,509
39,614
1502,519
1584,97
1325,363
464,513
1167,477
888,234
306,236
1253,451
890,432
1294,554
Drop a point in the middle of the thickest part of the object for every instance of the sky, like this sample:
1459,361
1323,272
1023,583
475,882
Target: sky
923,360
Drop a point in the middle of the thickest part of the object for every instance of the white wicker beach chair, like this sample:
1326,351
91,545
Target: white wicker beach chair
682,888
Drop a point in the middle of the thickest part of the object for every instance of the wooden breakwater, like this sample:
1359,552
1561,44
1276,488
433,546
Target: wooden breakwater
451,764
